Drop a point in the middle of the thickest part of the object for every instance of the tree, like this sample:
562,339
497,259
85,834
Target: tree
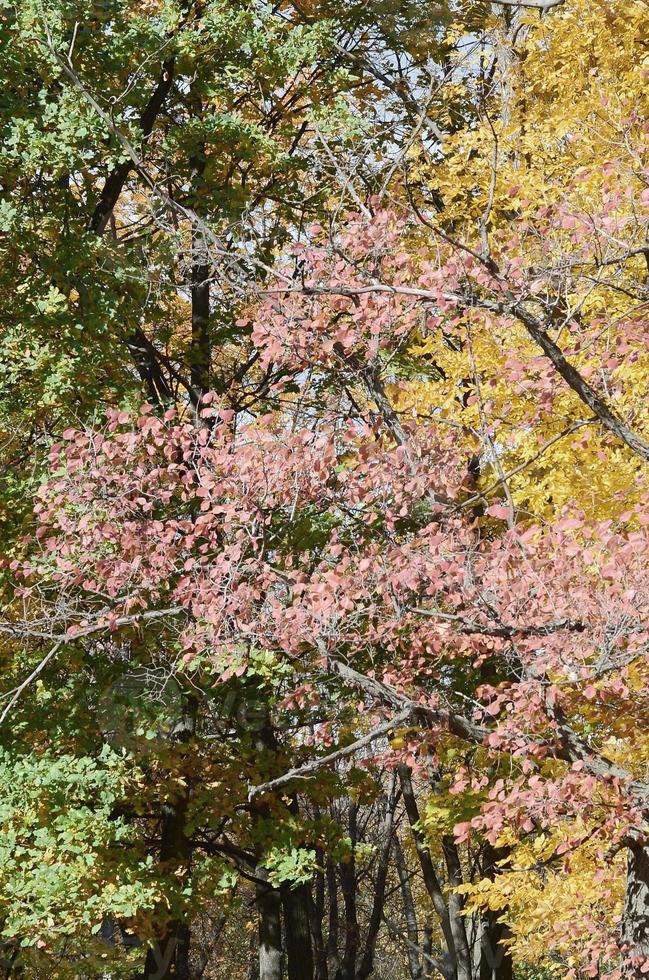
371,509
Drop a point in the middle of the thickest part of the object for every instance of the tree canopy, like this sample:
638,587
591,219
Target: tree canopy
325,577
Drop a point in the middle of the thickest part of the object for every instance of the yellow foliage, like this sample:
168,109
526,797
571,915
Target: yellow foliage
561,126
562,123
539,900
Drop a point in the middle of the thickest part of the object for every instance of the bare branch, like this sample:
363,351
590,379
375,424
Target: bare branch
536,330
504,631
530,4
528,462
70,636
310,768
28,680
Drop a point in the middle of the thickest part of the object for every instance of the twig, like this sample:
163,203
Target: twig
522,466
25,684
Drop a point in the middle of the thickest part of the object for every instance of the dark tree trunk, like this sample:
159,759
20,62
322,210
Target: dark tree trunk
431,880
201,353
141,350
269,899
316,918
348,885
427,948
495,958
297,930
168,954
635,919
117,178
333,956
269,905
455,906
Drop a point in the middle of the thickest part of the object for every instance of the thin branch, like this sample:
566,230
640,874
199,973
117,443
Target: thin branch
310,768
528,462
70,636
506,632
28,680
536,331
531,4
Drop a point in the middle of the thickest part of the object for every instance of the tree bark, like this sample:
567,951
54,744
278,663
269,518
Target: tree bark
253,966
333,956
200,354
316,917
409,911
269,904
367,963
455,906
115,181
431,880
635,919
348,884
495,958
297,930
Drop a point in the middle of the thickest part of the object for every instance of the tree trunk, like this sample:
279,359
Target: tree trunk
333,957
269,899
427,949
495,958
367,963
431,881
348,885
139,347
200,353
455,906
635,919
269,904
168,954
316,918
409,911
297,930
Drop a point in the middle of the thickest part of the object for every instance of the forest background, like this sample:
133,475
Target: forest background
325,432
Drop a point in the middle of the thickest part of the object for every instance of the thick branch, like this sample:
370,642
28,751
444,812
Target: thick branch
116,179
531,4
572,748
578,384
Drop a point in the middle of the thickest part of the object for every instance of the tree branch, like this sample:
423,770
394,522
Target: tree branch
505,631
534,328
531,4
70,636
307,770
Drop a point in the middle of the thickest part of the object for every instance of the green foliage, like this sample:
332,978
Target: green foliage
295,866
67,857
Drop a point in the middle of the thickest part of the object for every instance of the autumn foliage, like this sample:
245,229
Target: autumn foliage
342,635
